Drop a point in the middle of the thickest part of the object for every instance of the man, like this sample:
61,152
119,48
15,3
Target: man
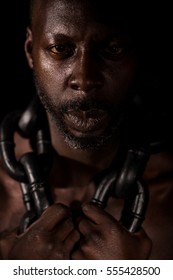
86,62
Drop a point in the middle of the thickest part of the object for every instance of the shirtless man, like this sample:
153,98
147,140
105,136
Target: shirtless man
85,60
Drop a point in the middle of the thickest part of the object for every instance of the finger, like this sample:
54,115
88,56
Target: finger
71,240
78,255
86,226
96,214
51,217
63,229
7,240
146,242
84,250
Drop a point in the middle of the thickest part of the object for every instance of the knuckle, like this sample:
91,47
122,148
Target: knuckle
33,235
61,208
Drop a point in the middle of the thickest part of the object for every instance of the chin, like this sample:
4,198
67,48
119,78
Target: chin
87,143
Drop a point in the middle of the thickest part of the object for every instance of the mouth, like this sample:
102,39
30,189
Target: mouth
90,122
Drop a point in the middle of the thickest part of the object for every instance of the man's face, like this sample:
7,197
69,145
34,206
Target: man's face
84,69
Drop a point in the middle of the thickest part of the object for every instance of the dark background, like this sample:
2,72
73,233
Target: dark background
16,78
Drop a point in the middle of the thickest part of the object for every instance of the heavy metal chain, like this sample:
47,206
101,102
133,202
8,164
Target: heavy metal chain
32,168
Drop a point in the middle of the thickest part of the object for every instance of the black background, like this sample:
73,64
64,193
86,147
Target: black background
16,82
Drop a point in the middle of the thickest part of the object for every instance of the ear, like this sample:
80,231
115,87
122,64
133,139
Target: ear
28,47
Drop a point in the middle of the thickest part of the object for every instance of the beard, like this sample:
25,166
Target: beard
88,140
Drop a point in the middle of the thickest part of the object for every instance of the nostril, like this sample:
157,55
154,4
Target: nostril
84,85
75,86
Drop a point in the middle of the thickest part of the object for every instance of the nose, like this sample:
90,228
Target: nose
86,75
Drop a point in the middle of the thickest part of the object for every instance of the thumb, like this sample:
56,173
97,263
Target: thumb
97,214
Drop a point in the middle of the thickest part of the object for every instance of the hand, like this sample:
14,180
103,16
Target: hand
52,236
105,238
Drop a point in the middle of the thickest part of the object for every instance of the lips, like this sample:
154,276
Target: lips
86,122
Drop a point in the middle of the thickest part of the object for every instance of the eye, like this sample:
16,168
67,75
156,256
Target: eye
114,49
62,51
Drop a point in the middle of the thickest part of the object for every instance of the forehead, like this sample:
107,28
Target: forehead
81,13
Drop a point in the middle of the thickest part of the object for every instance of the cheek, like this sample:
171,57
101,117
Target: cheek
50,76
122,80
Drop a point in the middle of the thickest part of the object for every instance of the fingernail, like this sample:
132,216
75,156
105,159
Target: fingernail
85,207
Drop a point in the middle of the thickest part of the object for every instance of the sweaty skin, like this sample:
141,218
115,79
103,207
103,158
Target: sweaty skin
85,65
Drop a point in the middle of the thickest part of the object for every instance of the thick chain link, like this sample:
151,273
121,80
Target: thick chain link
32,168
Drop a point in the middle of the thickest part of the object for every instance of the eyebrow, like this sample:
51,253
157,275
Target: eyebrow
64,37
58,36
64,34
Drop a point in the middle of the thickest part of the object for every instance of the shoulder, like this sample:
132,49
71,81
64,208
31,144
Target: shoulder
160,165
